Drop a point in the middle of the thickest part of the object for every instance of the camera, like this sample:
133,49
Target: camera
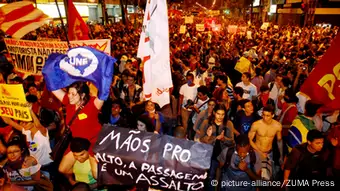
189,104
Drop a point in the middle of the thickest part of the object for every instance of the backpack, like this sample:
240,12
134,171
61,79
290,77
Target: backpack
230,153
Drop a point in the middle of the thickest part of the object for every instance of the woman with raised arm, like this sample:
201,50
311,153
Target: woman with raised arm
82,110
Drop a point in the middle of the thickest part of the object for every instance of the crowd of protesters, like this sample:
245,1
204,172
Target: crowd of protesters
250,118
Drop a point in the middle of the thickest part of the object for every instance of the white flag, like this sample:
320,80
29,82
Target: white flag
155,53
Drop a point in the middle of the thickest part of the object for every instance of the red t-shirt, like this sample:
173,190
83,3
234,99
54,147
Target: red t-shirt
289,117
86,124
290,114
49,101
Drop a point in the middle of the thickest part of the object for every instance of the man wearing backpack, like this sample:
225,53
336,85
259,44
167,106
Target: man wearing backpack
239,164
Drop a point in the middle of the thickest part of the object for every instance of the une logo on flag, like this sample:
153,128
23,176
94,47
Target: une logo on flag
79,62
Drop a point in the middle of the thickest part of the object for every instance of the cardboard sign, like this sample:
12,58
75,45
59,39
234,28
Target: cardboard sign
216,28
200,27
29,56
132,157
243,29
214,12
265,26
249,35
13,102
232,29
182,29
189,20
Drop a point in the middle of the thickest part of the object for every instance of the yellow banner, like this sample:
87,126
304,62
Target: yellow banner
13,102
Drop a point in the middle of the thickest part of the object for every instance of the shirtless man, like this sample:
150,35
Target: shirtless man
264,131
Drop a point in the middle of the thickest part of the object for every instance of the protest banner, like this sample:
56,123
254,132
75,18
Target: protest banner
189,20
232,29
132,157
183,29
323,82
13,102
200,27
29,56
48,39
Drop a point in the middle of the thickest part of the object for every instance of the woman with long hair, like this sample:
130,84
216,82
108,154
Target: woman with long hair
152,111
218,131
84,109
205,114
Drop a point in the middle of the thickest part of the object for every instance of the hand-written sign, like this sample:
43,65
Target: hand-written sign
13,102
132,157
189,20
29,57
200,27
182,29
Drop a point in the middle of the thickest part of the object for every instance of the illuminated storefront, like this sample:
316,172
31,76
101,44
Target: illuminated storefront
90,10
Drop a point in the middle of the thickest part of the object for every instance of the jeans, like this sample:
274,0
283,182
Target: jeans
212,175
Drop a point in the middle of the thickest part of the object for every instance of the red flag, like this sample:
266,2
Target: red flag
19,18
77,29
323,84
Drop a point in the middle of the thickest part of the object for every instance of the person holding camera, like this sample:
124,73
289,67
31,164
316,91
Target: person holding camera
187,94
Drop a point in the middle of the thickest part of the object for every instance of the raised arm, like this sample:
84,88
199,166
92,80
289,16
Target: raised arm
59,94
98,103
12,123
37,124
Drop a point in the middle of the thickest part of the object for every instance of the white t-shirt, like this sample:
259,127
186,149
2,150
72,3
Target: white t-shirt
23,174
39,146
274,93
248,91
188,93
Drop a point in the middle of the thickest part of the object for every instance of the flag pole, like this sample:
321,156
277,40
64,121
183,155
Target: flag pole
62,24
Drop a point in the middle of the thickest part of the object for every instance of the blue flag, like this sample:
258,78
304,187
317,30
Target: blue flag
80,64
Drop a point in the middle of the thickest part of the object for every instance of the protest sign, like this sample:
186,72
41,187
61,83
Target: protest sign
13,102
200,27
217,28
183,29
214,12
232,29
276,26
132,157
244,65
243,29
209,22
265,26
189,20
29,56
249,35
